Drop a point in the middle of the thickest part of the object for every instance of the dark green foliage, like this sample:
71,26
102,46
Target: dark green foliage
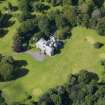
98,2
19,44
11,69
4,23
71,12
63,33
103,62
7,68
81,89
40,7
24,33
101,26
93,23
55,2
61,22
83,20
98,45
87,77
87,13
24,16
2,100
2,32
74,2
4,20
102,9
24,5
25,8
96,13
43,24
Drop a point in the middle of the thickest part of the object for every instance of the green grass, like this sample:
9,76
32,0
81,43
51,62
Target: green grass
78,53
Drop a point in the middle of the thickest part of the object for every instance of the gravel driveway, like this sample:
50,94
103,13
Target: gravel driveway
37,55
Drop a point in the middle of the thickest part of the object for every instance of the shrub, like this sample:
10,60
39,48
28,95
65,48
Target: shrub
98,45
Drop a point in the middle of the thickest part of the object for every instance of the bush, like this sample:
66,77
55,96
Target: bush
98,45
103,62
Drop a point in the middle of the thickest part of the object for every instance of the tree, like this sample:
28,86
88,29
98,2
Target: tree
63,33
102,9
70,13
87,77
100,101
61,21
4,20
19,44
24,34
55,2
24,5
93,23
91,5
71,2
83,20
56,99
99,3
84,8
23,16
43,24
40,7
96,13
2,99
101,26
81,89
7,68
6,72
10,7
74,2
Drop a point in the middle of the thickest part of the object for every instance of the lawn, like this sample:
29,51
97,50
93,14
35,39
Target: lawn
78,53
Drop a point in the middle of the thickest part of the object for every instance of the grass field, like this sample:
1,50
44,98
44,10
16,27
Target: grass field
78,53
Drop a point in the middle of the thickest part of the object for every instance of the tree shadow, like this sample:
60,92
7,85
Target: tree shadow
20,63
69,35
46,7
21,71
2,1
101,84
57,52
60,45
3,33
14,8
6,22
10,23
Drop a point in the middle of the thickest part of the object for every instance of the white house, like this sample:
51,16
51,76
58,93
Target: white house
47,47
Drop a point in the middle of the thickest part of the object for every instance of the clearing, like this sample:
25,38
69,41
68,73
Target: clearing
78,53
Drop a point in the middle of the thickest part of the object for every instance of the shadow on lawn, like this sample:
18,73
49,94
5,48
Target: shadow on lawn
21,70
3,33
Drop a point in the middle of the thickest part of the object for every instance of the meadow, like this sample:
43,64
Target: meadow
78,53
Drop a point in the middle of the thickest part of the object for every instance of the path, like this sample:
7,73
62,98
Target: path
37,55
